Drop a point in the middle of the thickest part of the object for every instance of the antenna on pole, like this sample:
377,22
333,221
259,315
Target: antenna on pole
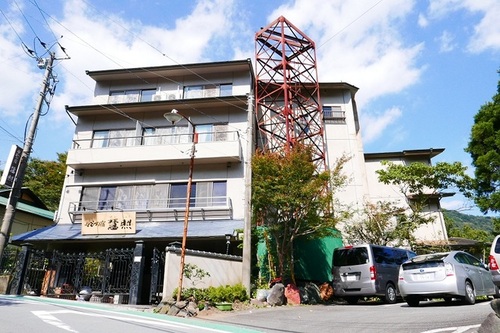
10,209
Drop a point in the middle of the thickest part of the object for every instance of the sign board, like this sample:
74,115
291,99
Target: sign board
9,173
108,223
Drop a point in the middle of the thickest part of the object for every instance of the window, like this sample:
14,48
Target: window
159,196
147,95
100,139
113,138
131,96
193,92
178,194
350,256
208,90
333,114
205,132
226,89
211,132
106,198
210,194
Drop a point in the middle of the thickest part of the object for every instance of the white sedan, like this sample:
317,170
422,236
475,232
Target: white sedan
447,275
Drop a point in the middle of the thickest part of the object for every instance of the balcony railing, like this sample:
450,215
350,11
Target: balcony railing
157,209
152,140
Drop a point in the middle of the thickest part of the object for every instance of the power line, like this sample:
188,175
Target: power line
351,23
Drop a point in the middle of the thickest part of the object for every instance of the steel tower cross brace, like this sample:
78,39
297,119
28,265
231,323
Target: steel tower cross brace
287,101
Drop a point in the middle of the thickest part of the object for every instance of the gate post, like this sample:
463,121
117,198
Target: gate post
16,288
137,273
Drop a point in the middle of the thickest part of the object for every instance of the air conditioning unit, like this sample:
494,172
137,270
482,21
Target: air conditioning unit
157,97
172,96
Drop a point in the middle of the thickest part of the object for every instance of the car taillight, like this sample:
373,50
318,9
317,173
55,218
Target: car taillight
449,269
373,273
401,277
493,263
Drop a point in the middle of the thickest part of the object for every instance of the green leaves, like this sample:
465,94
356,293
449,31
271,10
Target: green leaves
290,199
484,149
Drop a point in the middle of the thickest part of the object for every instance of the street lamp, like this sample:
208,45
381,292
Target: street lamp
174,116
228,242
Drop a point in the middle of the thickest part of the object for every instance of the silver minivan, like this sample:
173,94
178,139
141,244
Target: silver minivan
367,270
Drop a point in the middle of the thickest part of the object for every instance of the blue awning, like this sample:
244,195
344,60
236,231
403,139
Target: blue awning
145,231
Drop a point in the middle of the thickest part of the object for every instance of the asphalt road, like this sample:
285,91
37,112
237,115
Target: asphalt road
429,317
42,315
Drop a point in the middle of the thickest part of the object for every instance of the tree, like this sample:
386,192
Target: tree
290,200
46,179
379,225
484,149
419,183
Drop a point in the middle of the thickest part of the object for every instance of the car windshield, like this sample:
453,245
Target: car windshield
350,256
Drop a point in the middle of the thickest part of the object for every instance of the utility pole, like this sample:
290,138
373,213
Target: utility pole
15,193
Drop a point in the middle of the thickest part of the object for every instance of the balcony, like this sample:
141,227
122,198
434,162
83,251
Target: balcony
158,210
154,150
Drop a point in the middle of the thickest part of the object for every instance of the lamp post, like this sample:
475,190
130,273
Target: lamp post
174,116
228,242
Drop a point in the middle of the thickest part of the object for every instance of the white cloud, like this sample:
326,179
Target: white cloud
422,21
446,42
377,124
360,45
98,40
18,69
486,31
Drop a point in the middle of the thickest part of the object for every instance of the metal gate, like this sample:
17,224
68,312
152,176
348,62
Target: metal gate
157,275
60,274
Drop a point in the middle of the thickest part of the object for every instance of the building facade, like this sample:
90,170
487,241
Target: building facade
130,169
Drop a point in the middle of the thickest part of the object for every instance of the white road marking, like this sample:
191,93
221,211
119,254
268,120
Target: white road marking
459,329
49,318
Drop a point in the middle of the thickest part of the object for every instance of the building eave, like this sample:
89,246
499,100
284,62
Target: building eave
199,69
430,153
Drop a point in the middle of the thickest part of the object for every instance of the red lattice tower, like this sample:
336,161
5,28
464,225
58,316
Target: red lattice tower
287,94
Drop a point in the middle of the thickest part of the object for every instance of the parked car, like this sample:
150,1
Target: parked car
447,275
494,261
367,270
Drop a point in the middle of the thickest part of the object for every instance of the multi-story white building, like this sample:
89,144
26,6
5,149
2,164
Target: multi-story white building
343,136
128,167
128,163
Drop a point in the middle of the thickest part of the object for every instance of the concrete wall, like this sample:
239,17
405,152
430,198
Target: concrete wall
223,270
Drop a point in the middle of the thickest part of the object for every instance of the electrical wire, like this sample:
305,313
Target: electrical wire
350,23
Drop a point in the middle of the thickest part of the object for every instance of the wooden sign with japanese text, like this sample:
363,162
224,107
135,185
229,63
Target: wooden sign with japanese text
108,223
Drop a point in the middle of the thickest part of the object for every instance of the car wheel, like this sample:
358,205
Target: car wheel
412,301
470,294
351,300
390,294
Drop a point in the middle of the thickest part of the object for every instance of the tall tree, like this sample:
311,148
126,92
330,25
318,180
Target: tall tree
418,182
291,200
46,179
484,149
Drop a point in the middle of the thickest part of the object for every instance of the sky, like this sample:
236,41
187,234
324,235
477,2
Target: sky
423,68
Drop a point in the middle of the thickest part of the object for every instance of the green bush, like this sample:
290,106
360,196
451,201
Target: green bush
219,294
